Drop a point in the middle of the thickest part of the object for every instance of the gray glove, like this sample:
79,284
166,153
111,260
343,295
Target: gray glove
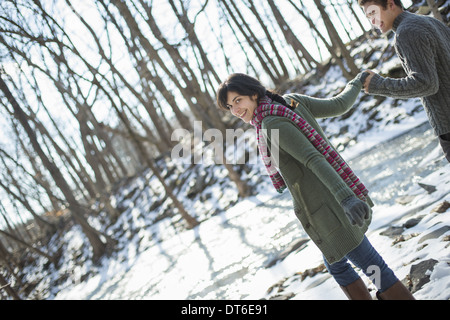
363,76
356,210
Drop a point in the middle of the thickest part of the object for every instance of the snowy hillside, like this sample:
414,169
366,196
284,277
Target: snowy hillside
240,250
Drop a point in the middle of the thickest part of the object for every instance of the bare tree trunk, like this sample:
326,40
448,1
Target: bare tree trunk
29,246
332,49
10,263
339,17
6,286
251,39
242,186
44,225
434,8
70,158
47,227
249,63
282,75
98,247
291,38
193,89
8,223
210,116
336,39
191,221
355,16
184,121
192,36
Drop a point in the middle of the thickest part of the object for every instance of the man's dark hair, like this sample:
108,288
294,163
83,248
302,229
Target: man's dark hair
382,3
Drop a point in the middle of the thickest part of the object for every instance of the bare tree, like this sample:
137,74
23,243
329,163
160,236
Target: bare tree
334,52
7,287
234,13
279,70
295,43
433,4
166,83
98,246
337,43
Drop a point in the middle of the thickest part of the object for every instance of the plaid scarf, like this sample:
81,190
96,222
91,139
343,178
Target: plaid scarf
266,108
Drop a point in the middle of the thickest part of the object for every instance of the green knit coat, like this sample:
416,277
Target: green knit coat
317,190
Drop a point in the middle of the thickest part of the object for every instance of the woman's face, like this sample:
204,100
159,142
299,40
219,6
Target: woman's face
242,106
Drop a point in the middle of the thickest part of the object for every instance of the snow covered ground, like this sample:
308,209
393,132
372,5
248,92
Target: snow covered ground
390,146
225,257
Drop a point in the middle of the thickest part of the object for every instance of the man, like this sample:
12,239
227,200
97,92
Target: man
423,45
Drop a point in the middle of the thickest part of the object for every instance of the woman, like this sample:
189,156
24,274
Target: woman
329,200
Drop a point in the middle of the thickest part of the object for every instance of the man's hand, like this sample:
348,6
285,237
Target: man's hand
367,81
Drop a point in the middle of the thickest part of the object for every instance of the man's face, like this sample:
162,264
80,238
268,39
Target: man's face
380,18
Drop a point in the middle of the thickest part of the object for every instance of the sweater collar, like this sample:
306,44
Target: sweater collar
399,19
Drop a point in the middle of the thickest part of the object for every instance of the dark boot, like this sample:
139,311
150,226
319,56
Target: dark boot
357,291
396,292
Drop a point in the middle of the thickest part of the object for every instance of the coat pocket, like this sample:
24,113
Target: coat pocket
324,220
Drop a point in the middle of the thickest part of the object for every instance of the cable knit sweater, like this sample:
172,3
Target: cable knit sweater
423,46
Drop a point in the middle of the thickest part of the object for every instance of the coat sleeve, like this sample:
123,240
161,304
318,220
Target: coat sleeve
294,142
416,52
331,107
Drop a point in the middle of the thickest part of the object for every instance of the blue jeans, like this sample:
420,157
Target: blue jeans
369,261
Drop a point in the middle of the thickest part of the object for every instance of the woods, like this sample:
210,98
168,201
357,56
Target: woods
91,93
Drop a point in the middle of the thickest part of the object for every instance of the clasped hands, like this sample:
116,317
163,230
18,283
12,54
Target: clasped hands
367,80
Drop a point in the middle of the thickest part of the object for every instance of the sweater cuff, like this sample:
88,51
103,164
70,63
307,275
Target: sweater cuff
375,84
357,81
343,192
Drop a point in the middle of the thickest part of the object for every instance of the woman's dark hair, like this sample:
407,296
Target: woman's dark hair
245,85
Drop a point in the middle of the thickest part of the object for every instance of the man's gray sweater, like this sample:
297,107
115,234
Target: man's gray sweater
423,46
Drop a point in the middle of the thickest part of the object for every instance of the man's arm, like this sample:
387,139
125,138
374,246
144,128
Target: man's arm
419,64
